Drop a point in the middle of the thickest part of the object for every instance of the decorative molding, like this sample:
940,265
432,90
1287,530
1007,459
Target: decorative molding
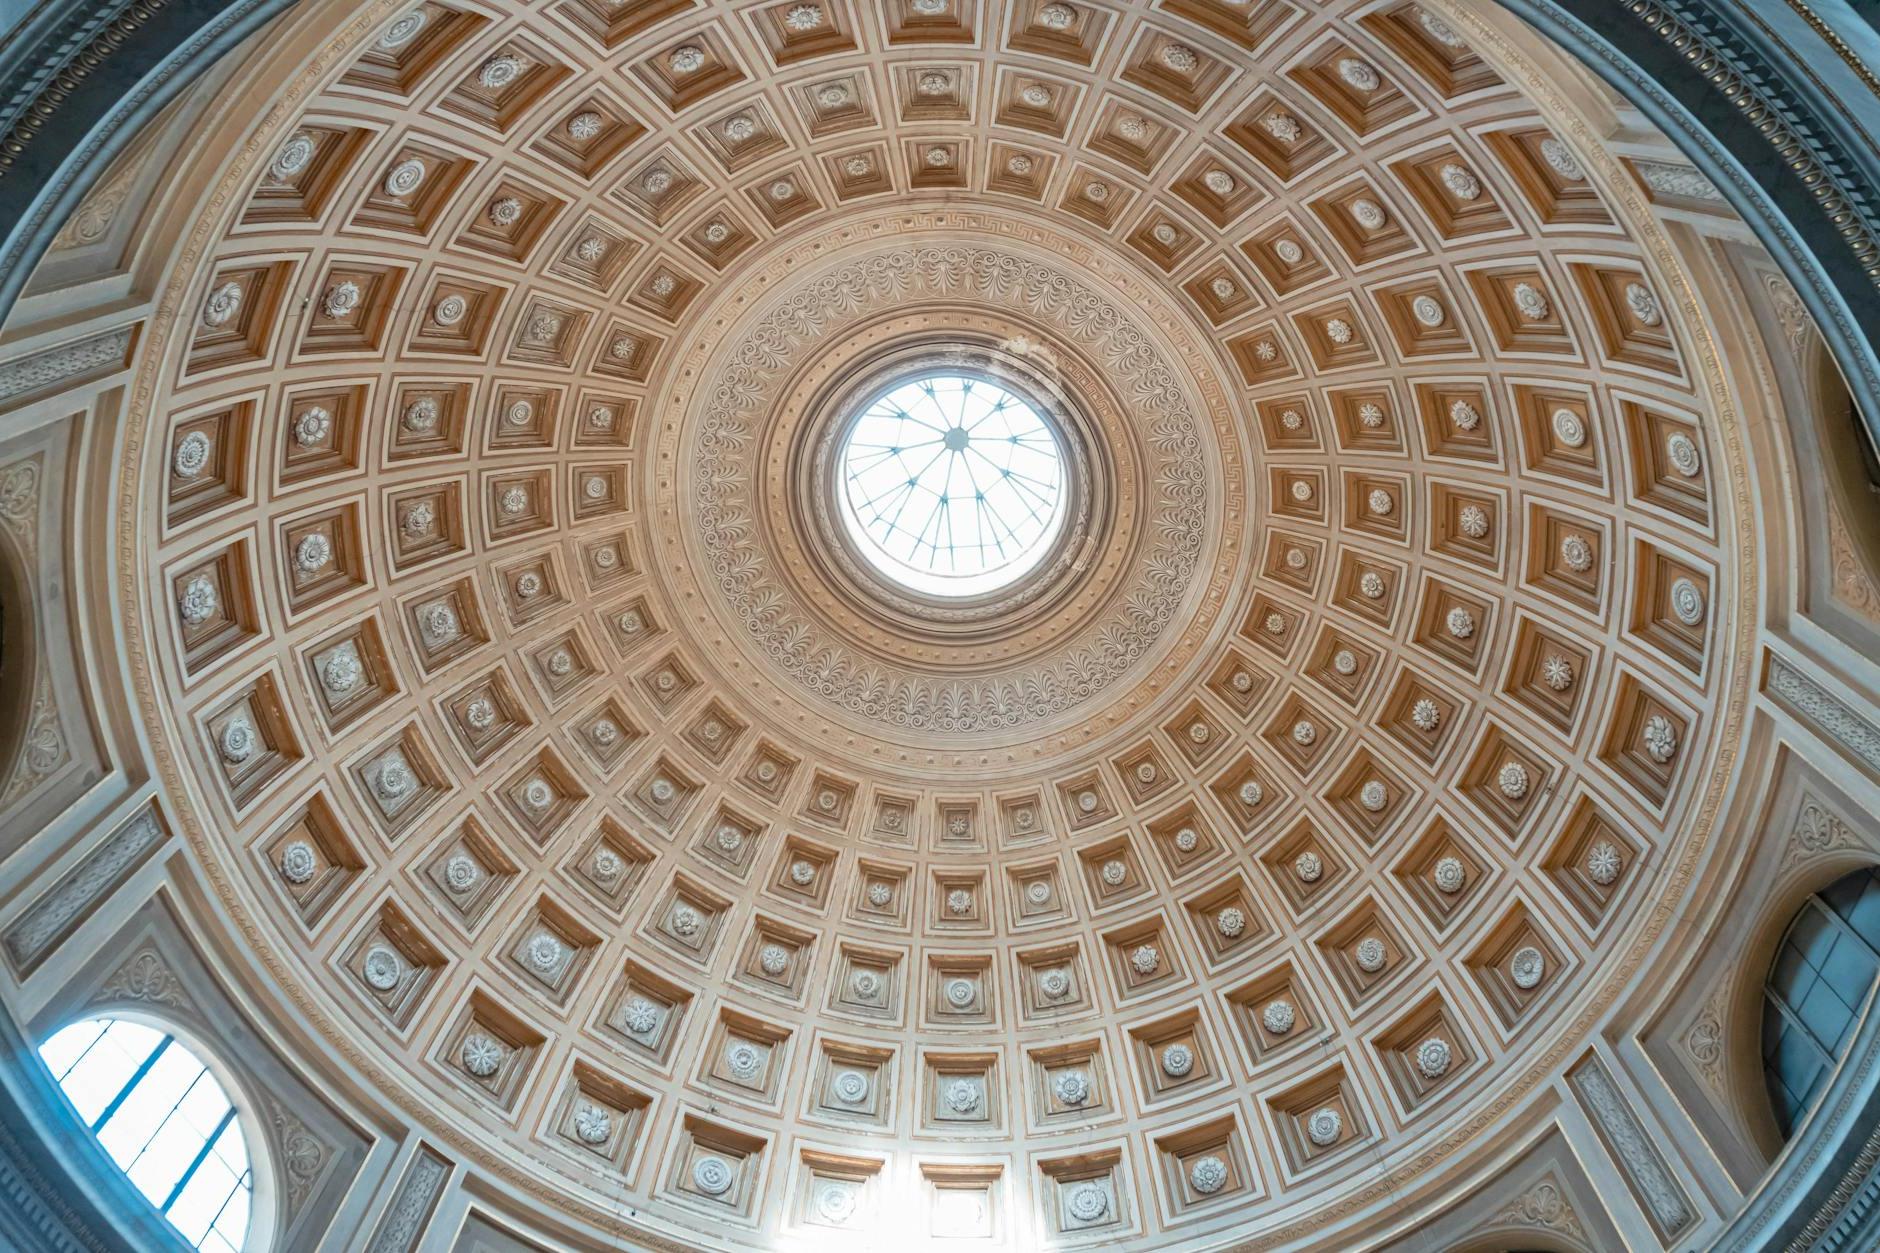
1668,178
1828,713
1853,586
1816,831
1638,1158
101,872
787,633
1844,1219
411,1208
52,368
43,750
144,977
1543,1207
303,1156
1791,314
1705,1042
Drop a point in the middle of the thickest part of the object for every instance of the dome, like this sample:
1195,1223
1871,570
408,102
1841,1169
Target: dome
1170,626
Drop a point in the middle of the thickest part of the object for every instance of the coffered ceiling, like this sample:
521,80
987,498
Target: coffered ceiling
565,774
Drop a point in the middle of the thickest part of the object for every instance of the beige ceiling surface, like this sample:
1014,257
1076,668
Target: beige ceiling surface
561,771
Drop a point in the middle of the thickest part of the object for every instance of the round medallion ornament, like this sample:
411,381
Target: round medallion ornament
1371,585
1056,17
1371,955
1687,603
959,902
404,178
1072,1087
1289,251
1088,1202
851,1087
606,866
1530,302
962,1096
836,1202
712,1176
1145,959
341,672
592,1124
1278,1017
1661,739
1177,1060
743,1059
1513,780
402,30
1339,331
381,968
544,953
773,959
1187,840
1038,892
222,305
866,984
1433,1058
802,873
1576,553
836,95
449,312
191,455
1448,875
585,126
688,59
1438,29
641,1016
1055,984
1425,716
961,993
1283,127
311,426
1113,873
1462,183
1230,922
1429,311
341,299
1603,863
1360,76
482,1054
663,791
1561,160
1373,796
1304,733
481,714
685,920
1643,305
1220,182
1251,793
1527,967
1308,867
1325,1126
1369,215
1207,1175
1465,416
507,211
1180,58
1557,672
298,862
313,553
1681,452
238,740
461,873
880,894
1569,429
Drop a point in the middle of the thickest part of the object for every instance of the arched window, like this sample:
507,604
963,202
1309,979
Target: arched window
1822,976
165,1121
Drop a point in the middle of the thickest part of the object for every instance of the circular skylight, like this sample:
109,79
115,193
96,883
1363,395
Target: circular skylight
952,486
